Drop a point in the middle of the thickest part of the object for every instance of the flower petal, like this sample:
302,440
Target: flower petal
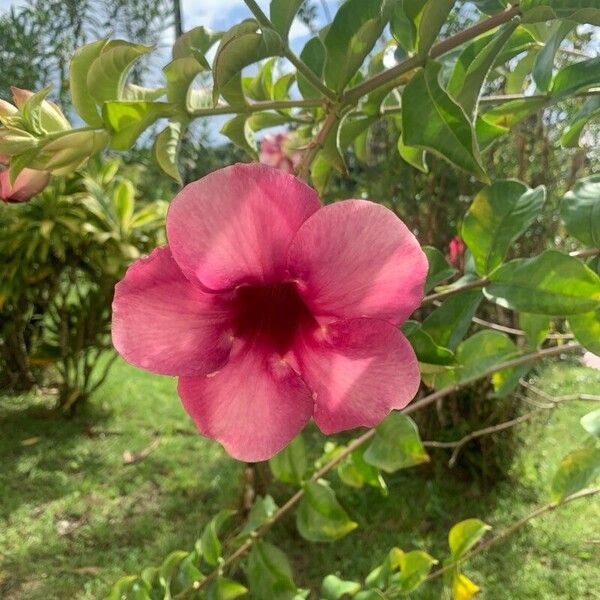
254,406
356,258
235,225
164,323
359,370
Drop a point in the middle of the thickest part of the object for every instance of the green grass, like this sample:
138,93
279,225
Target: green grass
75,517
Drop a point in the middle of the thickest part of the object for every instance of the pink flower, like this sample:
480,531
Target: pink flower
456,252
591,360
273,309
275,153
27,184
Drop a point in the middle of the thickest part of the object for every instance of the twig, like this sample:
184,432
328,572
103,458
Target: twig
458,445
310,153
455,290
516,525
385,77
586,252
257,107
509,364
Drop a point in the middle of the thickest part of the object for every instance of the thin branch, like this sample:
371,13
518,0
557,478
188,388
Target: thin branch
316,144
388,76
315,81
516,525
585,253
509,364
455,290
458,445
257,107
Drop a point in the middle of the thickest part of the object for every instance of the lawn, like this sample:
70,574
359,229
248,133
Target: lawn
75,516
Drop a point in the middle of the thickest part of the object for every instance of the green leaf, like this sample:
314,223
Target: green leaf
225,589
128,120
551,284
269,573
320,517
544,63
439,268
576,471
282,13
169,568
313,55
415,157
107,74
515,79
464,535
580,11
356,27
124,201
356,472
509,114
334,588
180,74
381,576
586,328
261,512
499,214
243,45
134,92
414,567
425,348
16,141
238,130
42,115
289,465
476,355
196,43
473,65
396,444
589,110
431,21
209,545
536,328
433,121
576,78
591,422
83,101
165,150
260,87
580,211
404,21
448,324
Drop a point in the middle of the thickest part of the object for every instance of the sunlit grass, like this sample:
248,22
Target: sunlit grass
75,517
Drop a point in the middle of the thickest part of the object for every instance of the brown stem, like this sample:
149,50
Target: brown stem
310,153
385,77
516,525
449,292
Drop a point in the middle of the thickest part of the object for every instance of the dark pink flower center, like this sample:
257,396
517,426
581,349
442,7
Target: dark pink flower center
271,314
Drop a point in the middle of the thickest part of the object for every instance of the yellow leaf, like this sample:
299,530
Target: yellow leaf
463,588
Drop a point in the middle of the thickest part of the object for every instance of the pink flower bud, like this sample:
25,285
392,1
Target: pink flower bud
28,184
456,251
